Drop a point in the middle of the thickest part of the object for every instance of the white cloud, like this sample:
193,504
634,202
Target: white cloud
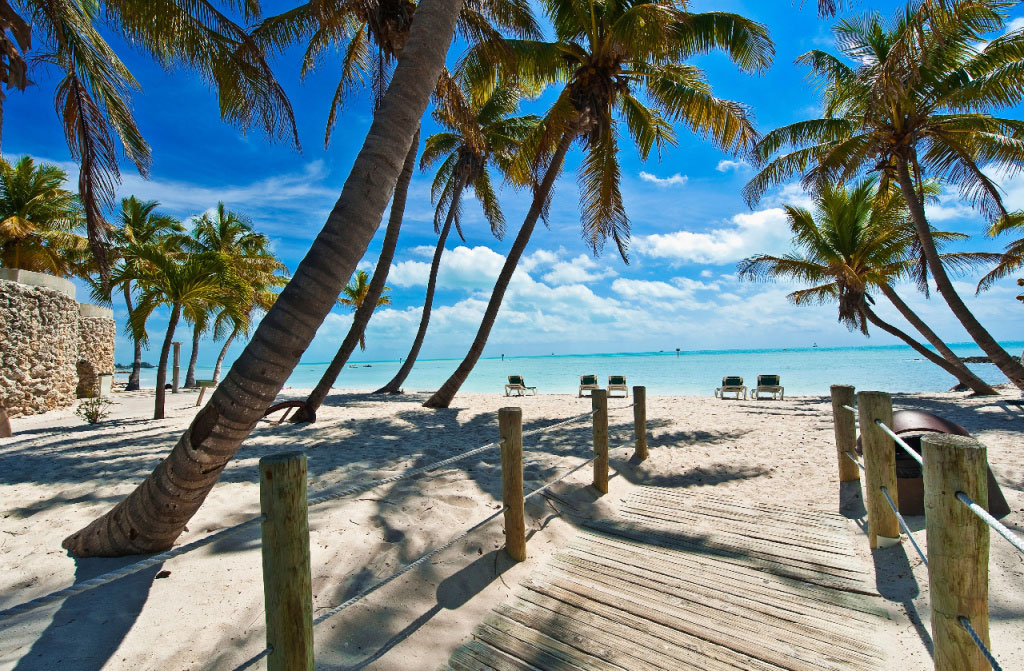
1015,24
461,268
541,257
582,269
706,273
763,231
726,165
674,180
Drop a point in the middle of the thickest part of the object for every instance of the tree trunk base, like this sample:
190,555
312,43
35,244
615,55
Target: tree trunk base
132,386
5,423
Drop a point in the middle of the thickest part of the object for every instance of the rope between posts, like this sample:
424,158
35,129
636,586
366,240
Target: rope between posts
850,408
903,523
1000,529
966,624
373,484
899,441
853,459
405,569
408,567
124,571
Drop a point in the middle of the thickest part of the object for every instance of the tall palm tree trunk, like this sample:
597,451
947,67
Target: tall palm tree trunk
1010,367
395,385
442,398
220,357
918,347
161,369
190,374
134,378
975,383
365,310
153,516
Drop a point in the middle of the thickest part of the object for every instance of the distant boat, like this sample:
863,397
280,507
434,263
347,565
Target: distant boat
352,365
814,345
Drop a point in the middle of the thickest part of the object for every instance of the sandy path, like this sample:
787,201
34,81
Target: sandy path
57,473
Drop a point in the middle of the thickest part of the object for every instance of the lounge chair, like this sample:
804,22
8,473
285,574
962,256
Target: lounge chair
768,384
516,384
588,382
731,384
617,383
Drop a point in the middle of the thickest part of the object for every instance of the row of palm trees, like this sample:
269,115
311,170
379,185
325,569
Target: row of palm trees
915,104
217,277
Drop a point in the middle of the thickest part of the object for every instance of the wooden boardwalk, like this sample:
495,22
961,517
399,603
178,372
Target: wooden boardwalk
691,581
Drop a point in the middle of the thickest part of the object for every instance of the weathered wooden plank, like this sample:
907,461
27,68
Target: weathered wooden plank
685,649
733,580
682,581
760,647
803,570
812,625
704,617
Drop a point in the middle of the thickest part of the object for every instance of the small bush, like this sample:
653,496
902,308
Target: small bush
93,410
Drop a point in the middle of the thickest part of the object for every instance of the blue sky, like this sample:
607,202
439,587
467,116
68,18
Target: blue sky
690,225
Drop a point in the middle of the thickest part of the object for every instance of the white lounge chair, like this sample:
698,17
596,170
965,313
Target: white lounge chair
768,384
516,384
588,382
617,383
731,384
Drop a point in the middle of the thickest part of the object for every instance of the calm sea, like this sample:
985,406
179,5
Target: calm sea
804,371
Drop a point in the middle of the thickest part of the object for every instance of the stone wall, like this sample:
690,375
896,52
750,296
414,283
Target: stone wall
96,333
38,348
52,348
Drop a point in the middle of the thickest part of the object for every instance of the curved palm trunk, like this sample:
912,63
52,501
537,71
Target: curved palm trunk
153,516
972,381
1010,367
161,369
365,310
134,378
442,398
395,385
918,347
220,357
190,374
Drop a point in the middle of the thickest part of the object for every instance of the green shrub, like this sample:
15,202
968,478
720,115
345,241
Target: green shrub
93,410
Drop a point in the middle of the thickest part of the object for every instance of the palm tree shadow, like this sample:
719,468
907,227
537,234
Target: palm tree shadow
97,632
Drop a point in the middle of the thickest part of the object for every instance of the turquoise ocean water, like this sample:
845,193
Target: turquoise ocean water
804,371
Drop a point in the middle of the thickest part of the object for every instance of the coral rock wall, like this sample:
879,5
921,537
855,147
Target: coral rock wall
52,348
38,348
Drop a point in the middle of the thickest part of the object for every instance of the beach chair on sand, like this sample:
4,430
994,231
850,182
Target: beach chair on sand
516,384
731,384
768,384
588,382
617,383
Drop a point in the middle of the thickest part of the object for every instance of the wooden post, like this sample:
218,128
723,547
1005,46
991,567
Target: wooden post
510,424
177,367
844,423
958,546
599,402
879,467
287,587
640,421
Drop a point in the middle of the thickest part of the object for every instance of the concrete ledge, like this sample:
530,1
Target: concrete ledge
89,311
38,280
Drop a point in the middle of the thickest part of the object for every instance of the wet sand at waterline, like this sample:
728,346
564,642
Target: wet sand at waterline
204,610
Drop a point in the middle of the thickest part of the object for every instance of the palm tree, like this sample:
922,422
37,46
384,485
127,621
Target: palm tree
139,225
1012,259
92,97
358,29
855,241
355,294
15,40
152,516
244,259
480,131
914,105
609,54
230,323
38,218
185,283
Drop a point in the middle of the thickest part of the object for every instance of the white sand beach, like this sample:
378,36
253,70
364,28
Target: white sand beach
204,610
